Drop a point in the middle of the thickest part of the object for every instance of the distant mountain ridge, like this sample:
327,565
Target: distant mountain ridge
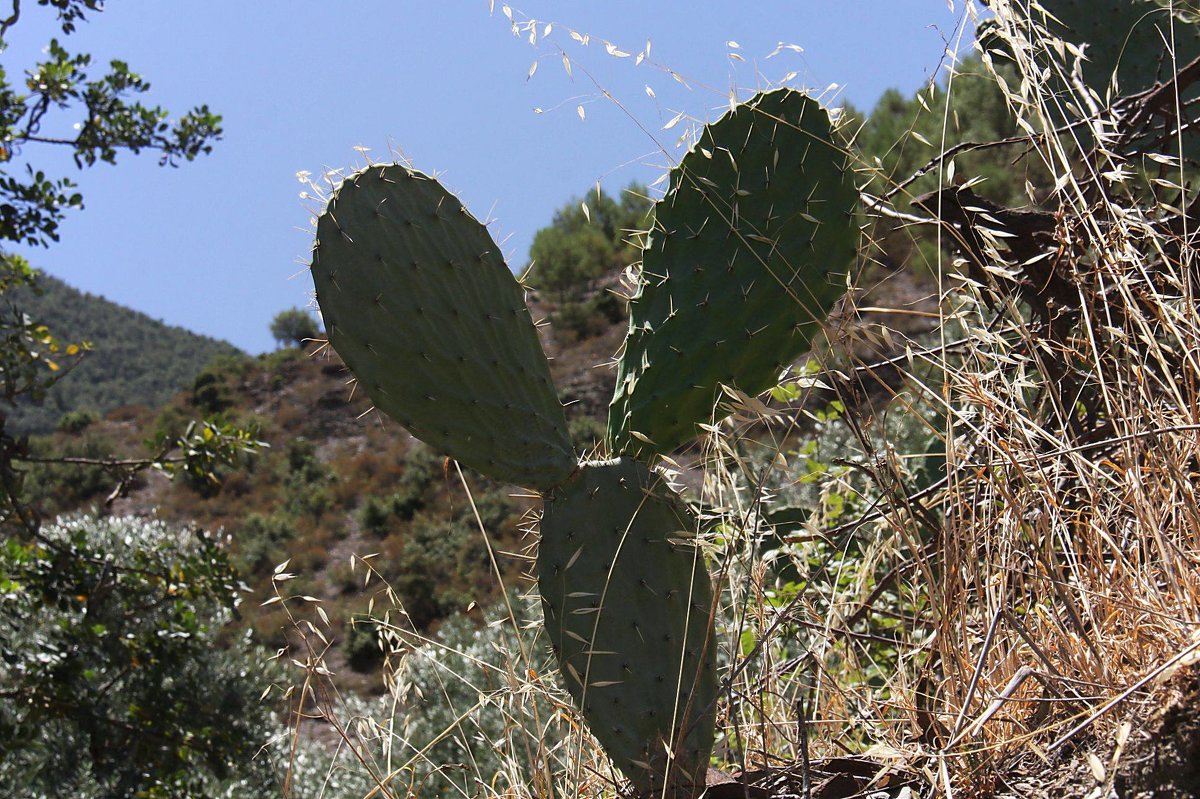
135,359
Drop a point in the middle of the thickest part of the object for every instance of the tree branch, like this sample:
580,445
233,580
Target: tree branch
12,20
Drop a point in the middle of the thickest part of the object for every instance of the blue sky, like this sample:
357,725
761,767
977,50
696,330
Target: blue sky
219,245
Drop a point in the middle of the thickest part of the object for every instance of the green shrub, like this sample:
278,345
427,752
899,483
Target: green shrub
374,515
114,684
211,393
586,433
421,464
609,306
593,317
76,421
495,509
411,495
169,425
407,500
301,458
55,488
581,246
261,541
212,388
294,327
438,570
361,644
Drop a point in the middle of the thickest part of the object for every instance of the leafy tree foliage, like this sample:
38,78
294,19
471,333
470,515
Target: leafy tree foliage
294,327
110,120
113,685
582,245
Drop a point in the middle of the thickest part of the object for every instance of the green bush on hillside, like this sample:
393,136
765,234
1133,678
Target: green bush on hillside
114,684
294,328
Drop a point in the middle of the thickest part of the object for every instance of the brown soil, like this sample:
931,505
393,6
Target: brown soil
1164,758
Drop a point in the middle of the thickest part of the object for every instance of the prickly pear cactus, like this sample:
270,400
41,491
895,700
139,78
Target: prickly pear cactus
742,262
628,608
748,252
418,301
1128,46
1125,38
419,304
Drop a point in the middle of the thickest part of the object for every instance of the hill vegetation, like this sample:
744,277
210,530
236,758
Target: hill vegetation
132,359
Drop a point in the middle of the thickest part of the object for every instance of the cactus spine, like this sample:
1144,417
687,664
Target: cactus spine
422,308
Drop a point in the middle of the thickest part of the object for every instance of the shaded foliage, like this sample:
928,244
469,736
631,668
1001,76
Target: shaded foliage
112,684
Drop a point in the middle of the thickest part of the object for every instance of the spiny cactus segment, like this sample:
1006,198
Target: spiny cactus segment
418,301
628,606
748,252
628,609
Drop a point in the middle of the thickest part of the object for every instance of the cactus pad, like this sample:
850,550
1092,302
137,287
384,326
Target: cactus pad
1137,42
628,605
1125,37
742,263
418,301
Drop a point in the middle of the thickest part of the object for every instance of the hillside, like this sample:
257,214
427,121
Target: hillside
335,480
135,360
